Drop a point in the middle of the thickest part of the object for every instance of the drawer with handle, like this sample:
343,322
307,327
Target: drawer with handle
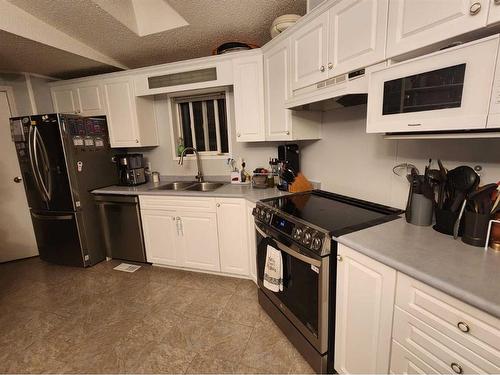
468,326
405,362
424,340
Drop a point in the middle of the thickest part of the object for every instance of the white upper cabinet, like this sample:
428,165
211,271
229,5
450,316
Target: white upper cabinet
333,43
416,24
309,52
233,243
64,99
249,98
494,12
131,119
364,308
85,99
351,46
90,99
277,91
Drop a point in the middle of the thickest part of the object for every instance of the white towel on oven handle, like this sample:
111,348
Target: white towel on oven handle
273,270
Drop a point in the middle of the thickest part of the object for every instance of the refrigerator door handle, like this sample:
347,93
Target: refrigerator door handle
32,154
52,217
45,165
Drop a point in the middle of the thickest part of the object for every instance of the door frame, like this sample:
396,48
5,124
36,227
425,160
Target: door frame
10,99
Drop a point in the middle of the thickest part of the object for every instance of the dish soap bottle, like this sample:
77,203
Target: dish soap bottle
180,146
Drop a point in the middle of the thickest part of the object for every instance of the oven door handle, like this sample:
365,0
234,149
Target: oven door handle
290,251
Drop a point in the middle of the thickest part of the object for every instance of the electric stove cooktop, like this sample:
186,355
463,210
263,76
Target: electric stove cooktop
334,213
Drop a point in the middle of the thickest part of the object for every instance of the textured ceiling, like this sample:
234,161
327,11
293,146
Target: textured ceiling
211,23
18,54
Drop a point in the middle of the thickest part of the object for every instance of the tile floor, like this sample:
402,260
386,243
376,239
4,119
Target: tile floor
57,319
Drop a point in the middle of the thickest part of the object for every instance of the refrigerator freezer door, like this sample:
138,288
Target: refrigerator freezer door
58,238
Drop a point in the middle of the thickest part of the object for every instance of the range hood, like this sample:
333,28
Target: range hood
345,90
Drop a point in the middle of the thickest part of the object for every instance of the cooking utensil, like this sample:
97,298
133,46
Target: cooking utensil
457,222
461,180
481,198
442,184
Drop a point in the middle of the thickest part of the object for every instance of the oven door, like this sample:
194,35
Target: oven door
304,298
443,91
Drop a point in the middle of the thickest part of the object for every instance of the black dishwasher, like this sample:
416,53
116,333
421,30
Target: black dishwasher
121,223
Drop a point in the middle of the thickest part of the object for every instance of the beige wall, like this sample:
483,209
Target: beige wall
351,162
346,160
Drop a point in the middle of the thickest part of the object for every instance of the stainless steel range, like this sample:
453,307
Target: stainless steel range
301,227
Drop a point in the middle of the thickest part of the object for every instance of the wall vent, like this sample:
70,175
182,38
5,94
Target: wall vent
184,78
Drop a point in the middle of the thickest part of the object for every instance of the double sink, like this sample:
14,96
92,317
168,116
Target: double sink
190,186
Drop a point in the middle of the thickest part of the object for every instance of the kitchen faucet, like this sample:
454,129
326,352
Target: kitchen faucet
199,176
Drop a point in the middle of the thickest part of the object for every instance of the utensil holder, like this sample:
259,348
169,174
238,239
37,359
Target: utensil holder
475,228
421,210
445,221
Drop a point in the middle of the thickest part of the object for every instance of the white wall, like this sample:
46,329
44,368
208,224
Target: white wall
161,158
349,161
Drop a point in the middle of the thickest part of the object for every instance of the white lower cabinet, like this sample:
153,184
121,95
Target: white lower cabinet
160,236
252,243
198,240
365,302
197,233
232,229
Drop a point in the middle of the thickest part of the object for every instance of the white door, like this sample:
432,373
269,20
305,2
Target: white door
249,99
17,238
415,24
252,245
198,236
64,99
161,236
365,304
232,228
351,47
90,99
309,52
276,73
121,113
494,13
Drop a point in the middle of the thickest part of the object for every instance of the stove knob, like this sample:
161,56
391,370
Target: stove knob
257,211
297,235
262,213
268,216
316,243
306,239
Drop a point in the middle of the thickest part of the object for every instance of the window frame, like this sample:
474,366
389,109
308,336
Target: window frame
175,120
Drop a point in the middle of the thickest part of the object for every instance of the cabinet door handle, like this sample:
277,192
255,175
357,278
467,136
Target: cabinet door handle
456,368
136,141
414,124
475,8
464,327
17,179
330,66
217,205
322,69
287,132
339,258
497,2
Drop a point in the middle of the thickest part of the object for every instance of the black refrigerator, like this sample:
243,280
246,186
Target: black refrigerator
62,159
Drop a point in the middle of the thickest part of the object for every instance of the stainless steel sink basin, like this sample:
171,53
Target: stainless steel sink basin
178,185
205,186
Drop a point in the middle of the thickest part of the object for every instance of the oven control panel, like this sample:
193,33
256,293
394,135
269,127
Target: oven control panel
300,233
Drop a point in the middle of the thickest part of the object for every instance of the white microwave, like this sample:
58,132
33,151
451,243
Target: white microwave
451,90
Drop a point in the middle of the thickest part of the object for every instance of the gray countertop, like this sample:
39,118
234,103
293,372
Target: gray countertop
462,271
226,191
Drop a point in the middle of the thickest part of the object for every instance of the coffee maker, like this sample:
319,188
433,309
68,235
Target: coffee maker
131,170
288,164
